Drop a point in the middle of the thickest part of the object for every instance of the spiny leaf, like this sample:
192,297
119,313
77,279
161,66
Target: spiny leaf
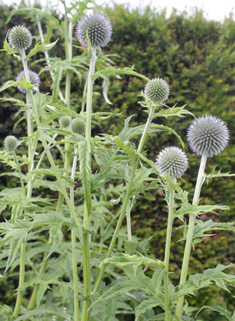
198,210
41,47
110,309
215,174
147,305
173,111
114,71
222,310
39,312
85,171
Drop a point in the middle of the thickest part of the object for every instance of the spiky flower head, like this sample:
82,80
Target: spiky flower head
172,160
65,121
157,90
99,30
20,38
10,142
34,80
208,135
78,126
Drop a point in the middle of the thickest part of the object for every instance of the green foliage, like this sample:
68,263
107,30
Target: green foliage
197,58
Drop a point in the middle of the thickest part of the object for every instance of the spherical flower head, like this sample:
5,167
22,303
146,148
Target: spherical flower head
208,135
157,90
34,80
10,142
20,38
99,30
172,160
65,121
77,126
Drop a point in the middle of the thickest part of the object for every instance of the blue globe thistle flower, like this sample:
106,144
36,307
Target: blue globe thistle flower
208,135
99,30
172,160
65,121
157,90
78,126
20,38
34,80
10,142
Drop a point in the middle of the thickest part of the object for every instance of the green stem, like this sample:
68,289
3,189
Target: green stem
128,221
86,245
126,200
42,270
192,219
29,188
167,253
21,178
47,55
73,239
21,280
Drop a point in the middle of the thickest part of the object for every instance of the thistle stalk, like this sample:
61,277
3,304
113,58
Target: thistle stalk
167,253
73,240
188,245
86,247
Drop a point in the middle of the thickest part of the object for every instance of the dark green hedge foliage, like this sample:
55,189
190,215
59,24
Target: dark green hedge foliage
197,58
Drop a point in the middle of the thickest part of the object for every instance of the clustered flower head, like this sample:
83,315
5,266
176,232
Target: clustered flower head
65,121
172,160
208,135
157,90
78,126
10,142
20,38
99,30
34,80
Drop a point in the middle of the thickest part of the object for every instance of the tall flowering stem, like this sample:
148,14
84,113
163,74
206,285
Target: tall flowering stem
188,245
207,136
172,161
73,240
86,247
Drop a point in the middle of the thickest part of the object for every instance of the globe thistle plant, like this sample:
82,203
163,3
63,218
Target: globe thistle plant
10,142
34,80
20,38
172,160
65,121
77,126
207,136
157,90
99,30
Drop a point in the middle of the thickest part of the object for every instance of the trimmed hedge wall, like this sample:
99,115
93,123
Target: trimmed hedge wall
197,58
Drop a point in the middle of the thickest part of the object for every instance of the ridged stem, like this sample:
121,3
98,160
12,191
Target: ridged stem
188,245
126,200
73,241
21,280
47,55
167,252
86,245
29,188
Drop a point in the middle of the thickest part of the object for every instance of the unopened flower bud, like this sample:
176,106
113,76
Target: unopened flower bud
78,126
10,142
20,38
157,90
172,160
65,121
